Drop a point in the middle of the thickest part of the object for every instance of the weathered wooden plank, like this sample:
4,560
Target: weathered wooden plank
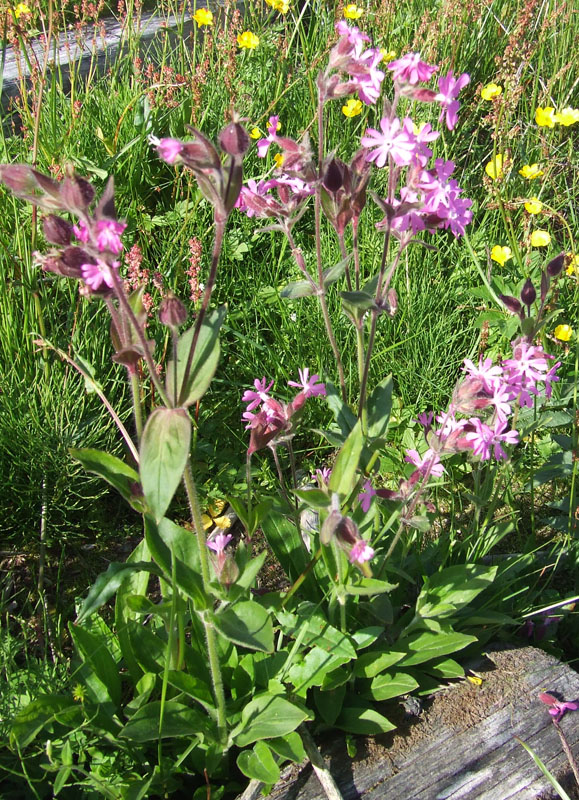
463,746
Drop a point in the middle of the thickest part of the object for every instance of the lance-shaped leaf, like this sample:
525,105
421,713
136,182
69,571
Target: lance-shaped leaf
297,289
344,471
333,273
164,453
379,408
124,478
205,359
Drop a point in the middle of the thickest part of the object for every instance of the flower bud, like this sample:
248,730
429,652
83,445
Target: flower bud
528,293
234,140
511,303
556,264
76,193
57,230
172,312
333,176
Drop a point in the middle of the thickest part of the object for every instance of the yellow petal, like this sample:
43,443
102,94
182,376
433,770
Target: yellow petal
563,332
501,254
206,521
531,171
222,522
491,90
540,238
533,205
494,168
544,117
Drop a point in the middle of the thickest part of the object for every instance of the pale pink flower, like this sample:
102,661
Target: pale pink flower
394,140
360,552
429,461
264,144
365,496
108,235
410,69
95,275
449,88
169,150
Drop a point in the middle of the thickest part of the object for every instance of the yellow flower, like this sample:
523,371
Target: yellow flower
501,254
491,90
531,171
352,108
545,117
247,40
203,17
563,333
352,11
213,518
573,266
387,55
279,5
21,9
279,159
255,133
540,238
494,168
534,205
568,116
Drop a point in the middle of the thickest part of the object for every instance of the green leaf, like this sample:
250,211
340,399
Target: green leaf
289,549
315,498
369,586
133,583
297,289
344,471
368,665
259,764
289,747
124,478
107,584
318,630
178,720
329,703
46,709
551,778
105,683
425,645
332,274
205,359
343,415
310,670
356,304
364,720
168,541
193,686
364,637
392,684
379,408
247,624
445,670
164,454
452,588
265,717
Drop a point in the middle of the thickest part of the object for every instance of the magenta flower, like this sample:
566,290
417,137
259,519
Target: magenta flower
425,134
528,366
449,88
360,552
366,76
219,542
323,476
430,461
550,378
260,395
169,150
309,386
99,274
264,144
108,235
81,231
352,41
410,69
490,375
365,497
425,419
557,707
394,140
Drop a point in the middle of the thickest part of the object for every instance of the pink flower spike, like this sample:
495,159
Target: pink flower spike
557,707
309,385
365,497
410,69
361,552
219,542
169,150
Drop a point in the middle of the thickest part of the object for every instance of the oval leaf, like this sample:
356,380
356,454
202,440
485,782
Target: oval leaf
164,454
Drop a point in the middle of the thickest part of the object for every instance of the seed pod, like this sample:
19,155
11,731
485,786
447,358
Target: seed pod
234,140
556,264
172,312
528,293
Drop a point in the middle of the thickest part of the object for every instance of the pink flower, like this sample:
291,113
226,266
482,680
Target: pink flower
108,233
449,88
264,144
323,476
490,375
410,69
557,707
528,366
424,463
309,385
365,497
424,135
394,140
95,275
360,552
219,542
169,150
259,396
483,438
367,78
352,40
81,231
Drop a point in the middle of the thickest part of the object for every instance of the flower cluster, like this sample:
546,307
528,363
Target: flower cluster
351,56
547,117
270,421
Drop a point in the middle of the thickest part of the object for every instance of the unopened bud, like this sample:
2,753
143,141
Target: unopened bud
57,230
528,293
234,140
172,312
333,176
76,193
511,303
556,264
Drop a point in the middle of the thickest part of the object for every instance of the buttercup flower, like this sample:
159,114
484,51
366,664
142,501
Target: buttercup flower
352,108
387,55
279,159
573,267
534,205
279,5
501,254
255,133
247,40
203,17
21,9
563,333
494,168
352,11
567,116
531,171
545,117
491,90
540,238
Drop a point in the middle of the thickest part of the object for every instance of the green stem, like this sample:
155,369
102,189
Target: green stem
137,408
210,638
361,360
